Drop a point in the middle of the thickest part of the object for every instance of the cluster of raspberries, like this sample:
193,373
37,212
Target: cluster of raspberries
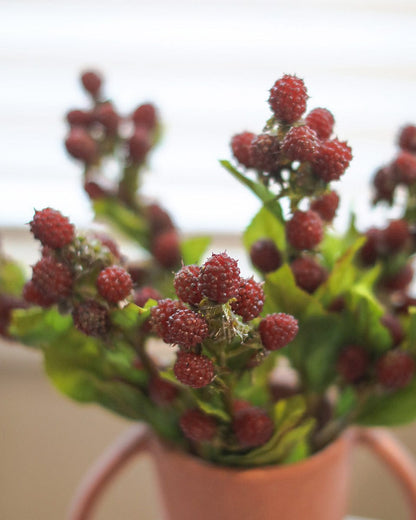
401,171
302,140
184,322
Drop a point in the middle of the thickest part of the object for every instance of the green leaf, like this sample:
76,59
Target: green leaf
193,249
391,409
210,408
131,316
346,402
265,225
12,277
334,246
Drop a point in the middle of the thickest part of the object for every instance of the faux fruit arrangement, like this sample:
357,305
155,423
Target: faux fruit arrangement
254,371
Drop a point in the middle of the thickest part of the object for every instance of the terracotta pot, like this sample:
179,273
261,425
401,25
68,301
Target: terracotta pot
314,489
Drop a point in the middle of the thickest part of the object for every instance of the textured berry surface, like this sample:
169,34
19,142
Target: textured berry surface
326,206
194,370
300,144
52,279
309,275
385,183
32,294
161,392
81,145
288,98
114,284
145,115
331,160
250,299
106,115
161,313
220,278
198,426
322,121
252,427
139,144
146,293
91,318
265,256
277,330
395,369
52,228
394,327
304,230
265,153
396,235
166,249
91,81
187,328
187,285
404,167
240,146
407,138
353,363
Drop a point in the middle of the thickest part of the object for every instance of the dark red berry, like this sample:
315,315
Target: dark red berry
265,256
309,275
331,160
109,243
158,219
139,144
372,248
404,167
161,313
395,328
407,138
91,81
385,182
322,121
166,249
187,285
399,280
114,283
300,143
146,293
52,279
95,191
353,363
277,330
304,230
288,98
162,392
240,146
198,426
81,145
186,328
219,278
396,236
79,118
395,369
52,228
194,370
91,318
32,294
265,153
252,427
326,206
249,300
106,115
145,115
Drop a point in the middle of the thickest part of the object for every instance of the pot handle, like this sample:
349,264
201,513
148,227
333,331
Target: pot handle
132,442
397,459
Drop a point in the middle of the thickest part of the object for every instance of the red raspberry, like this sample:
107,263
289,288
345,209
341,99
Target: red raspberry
52,228
219,278
331,160
95,191
166,249
396,236
322,121
309,275
194,370
159,220
407,138
404,167
399,280
52,279
385,183
81,145
145,115
91,81
300,143
187,285
265,256
146,293
252,427
326,206
114,283
337,305
91,318
288,98
395,328
304,230
277,330
139,144
240,146
395,369
250,300
161,313
372,247
32,294
353,363
198,426
106,115
162,392
265,153
186,328
79,118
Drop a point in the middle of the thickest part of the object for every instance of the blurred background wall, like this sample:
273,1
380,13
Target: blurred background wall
208,67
